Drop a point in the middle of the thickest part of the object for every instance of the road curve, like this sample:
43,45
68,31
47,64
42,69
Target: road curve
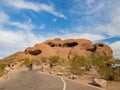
33,80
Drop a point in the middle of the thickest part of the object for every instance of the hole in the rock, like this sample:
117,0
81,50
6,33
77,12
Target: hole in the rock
101,45
72,44
35,52
51,44
59,45
92,49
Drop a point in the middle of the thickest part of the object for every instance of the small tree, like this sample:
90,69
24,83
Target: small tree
98,60
109,73
117,73
2,66
27,62
63,62
54,59
76,63
38,62
2,69
106,72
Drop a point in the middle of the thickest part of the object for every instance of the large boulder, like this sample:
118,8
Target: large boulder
103,49
100,82
67,49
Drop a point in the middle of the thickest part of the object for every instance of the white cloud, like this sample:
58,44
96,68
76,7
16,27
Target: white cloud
102,17
5,20
13,41
90,1
55,19
42,27
23,26
111,28
87,7
92,37
22,4
9,37
10,42
116,49
28,19
3,17
95,9
22,37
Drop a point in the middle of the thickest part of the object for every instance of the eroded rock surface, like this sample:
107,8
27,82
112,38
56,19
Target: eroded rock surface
67,49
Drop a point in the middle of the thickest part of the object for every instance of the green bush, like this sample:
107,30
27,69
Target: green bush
98,60
76,63
109,73
38,62
54,59
117,73
106,72
2,66
27,62
2,69
63,62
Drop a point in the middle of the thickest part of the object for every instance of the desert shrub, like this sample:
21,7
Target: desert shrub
26,62
38,62
2,69
54,59
98,60
2,66
117,73
109,73
76,63
103,69
63,62
106,72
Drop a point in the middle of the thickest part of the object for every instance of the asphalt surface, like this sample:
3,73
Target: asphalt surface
34,80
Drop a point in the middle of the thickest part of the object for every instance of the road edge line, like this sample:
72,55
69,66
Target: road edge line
76,81
64,83
86,84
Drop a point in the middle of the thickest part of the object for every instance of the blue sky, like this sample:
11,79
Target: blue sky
24,23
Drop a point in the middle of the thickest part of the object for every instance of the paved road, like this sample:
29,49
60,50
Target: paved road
33,80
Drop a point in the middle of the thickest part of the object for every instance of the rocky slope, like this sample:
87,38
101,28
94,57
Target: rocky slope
65,49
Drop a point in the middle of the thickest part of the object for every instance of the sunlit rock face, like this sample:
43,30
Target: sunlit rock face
67,49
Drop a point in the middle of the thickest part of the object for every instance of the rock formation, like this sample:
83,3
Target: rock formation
66,49
100,82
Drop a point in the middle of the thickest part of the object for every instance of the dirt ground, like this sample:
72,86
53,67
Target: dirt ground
87,78
112,85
